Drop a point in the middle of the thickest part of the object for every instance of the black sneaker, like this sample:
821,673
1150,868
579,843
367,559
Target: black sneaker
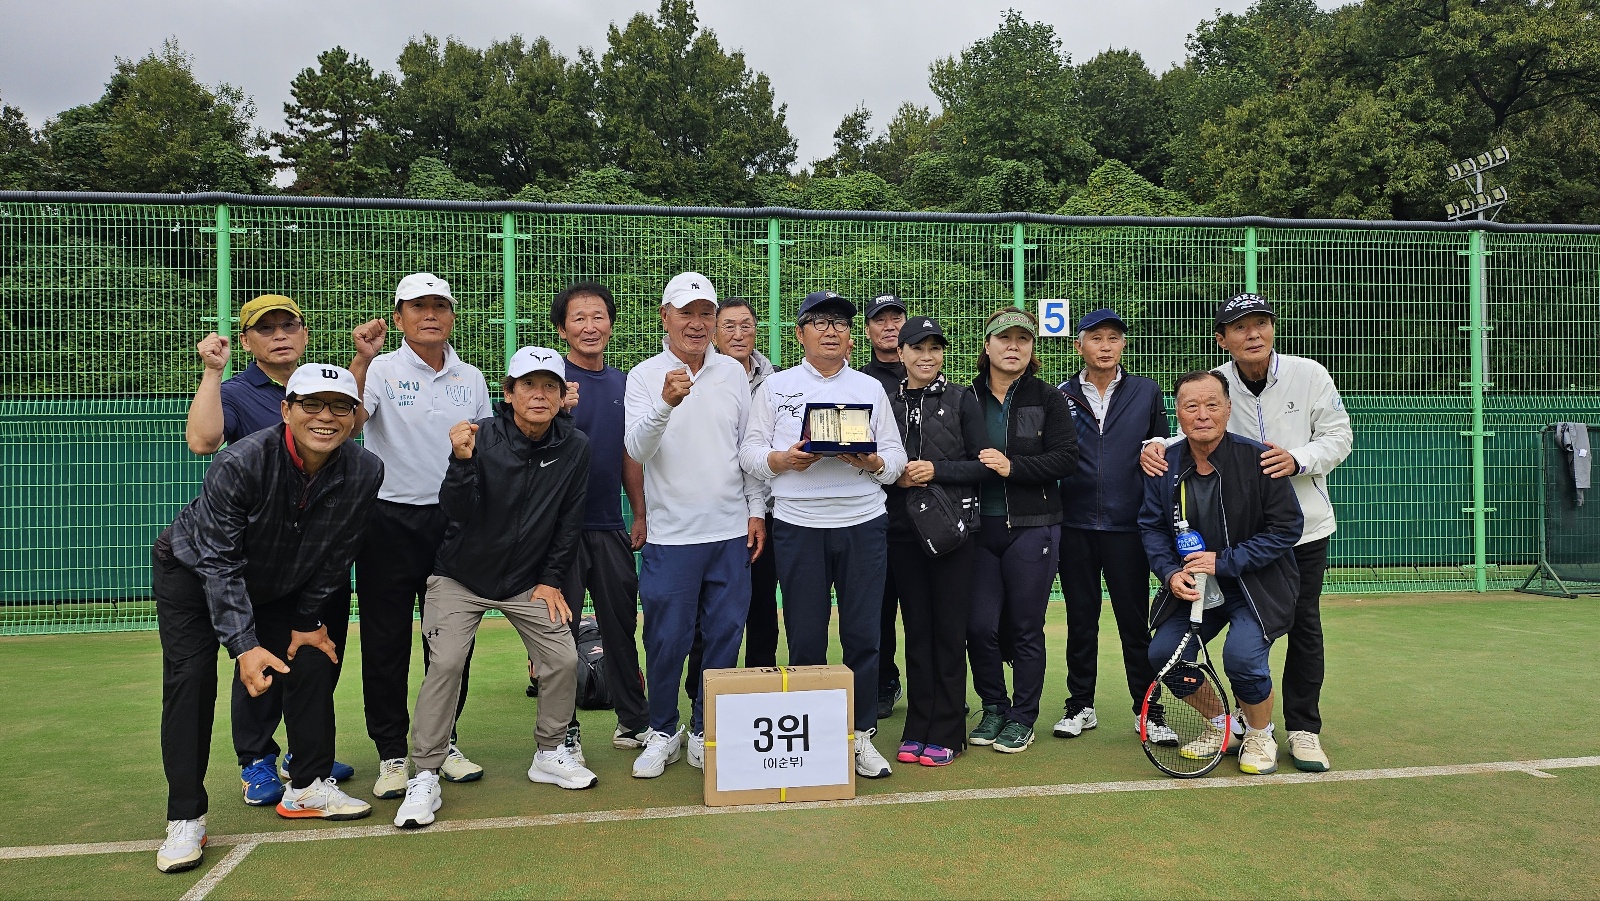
888,696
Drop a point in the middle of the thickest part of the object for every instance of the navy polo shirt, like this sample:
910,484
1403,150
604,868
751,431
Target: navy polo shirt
601,416
250,402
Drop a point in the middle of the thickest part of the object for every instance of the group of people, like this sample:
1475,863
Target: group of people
456,506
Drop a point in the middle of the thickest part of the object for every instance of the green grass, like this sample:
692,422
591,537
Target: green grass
1412,681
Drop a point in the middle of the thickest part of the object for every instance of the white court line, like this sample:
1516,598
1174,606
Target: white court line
219,872
1527,767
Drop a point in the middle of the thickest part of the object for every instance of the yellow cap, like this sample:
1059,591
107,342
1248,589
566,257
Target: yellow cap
266,303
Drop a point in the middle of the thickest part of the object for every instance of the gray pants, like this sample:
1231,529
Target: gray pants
450,621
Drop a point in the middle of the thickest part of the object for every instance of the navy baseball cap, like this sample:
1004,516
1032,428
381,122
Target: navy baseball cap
826,301
884,302
1099,318
920,328
1241,305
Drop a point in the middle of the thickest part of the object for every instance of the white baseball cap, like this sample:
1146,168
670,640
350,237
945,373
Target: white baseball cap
318,378
538,359
422,284
686,288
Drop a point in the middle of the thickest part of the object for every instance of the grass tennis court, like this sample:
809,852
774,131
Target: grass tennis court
1415,681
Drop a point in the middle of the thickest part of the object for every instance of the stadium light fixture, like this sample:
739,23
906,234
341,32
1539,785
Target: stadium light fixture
1479,202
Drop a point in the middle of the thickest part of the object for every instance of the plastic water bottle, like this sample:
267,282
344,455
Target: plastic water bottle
1189,540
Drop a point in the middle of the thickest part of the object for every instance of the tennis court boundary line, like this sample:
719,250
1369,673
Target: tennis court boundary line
246,842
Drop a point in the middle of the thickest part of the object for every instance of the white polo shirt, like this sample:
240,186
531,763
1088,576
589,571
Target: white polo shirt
410,411
694,489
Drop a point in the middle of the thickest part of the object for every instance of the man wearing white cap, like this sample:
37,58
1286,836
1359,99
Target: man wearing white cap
249,564
686,409
412,396
514,495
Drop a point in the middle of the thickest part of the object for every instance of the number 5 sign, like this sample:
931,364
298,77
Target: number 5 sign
1053,321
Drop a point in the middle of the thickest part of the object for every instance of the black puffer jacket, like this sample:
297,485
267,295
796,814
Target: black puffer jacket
1041,444
949,435
515,509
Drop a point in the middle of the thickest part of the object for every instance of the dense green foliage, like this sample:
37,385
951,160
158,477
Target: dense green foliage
1285,110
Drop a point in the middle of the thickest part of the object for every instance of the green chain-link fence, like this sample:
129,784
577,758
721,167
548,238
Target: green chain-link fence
103,297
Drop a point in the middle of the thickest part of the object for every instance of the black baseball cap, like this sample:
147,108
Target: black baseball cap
1098,318
884,302
826,301
920,328
1240,305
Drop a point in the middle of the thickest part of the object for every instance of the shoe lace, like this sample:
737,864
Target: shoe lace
260,772
418,789
1073,709
185,831
391,767
1255,743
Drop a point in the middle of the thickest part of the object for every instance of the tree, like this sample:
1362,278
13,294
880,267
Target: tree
158,129
913,130
850,142
511,115
1114,189
1125,110
333,141
23,166
693,122
1013,96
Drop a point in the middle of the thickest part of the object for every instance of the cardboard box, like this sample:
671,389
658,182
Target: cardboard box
779,734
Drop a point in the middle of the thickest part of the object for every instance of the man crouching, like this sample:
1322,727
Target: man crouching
514,494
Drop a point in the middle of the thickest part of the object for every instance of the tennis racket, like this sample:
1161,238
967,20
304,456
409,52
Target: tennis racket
1184,721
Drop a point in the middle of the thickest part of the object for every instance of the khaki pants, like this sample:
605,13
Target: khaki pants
449,622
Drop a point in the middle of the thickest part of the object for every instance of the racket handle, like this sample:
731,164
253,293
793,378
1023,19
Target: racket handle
1197,608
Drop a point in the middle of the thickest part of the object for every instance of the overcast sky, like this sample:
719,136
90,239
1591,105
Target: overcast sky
823,56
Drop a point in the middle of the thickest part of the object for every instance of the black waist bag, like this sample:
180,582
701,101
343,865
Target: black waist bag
939,526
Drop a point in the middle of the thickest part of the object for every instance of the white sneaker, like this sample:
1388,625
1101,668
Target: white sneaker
391,779
1258,756
185,845
1305,749
457,768
1206,746
869,762
660,749
559,767
628,740
697,750
1156,730
423,799
322,799
1074,722
574,743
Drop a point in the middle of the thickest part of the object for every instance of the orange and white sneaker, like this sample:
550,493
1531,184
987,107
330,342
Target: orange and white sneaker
323,799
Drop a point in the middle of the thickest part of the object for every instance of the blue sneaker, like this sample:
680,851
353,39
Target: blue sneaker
342,772
261,785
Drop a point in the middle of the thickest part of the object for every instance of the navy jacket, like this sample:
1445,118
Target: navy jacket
1261,521
1105,492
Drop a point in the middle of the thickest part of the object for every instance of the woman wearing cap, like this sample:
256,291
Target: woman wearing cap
943,431
1033,446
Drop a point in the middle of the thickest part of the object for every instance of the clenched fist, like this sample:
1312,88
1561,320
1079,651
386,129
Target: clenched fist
570,402
463,438
369,337
676,387
214,352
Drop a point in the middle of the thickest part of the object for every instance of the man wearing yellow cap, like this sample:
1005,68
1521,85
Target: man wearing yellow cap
273,330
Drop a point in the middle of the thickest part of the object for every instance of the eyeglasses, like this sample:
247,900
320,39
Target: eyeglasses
315,405
829,324
265,329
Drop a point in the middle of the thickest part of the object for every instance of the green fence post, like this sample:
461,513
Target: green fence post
508,237
774,292
1252,251
224,232
1019,276
1477,347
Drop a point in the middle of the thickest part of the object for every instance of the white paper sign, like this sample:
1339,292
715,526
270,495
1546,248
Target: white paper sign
1053,319
783,739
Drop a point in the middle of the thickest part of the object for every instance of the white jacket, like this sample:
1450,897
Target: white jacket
1300,411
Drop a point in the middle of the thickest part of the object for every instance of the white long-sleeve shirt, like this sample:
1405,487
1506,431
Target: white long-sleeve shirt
830,493
694,488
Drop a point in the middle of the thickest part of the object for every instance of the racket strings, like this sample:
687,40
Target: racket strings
1192,707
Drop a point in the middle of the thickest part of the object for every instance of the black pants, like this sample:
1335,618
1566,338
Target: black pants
1303,661
888,671
935,597
189,689
255,720
1120,556
392,570
604,567
1010,591
760,627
